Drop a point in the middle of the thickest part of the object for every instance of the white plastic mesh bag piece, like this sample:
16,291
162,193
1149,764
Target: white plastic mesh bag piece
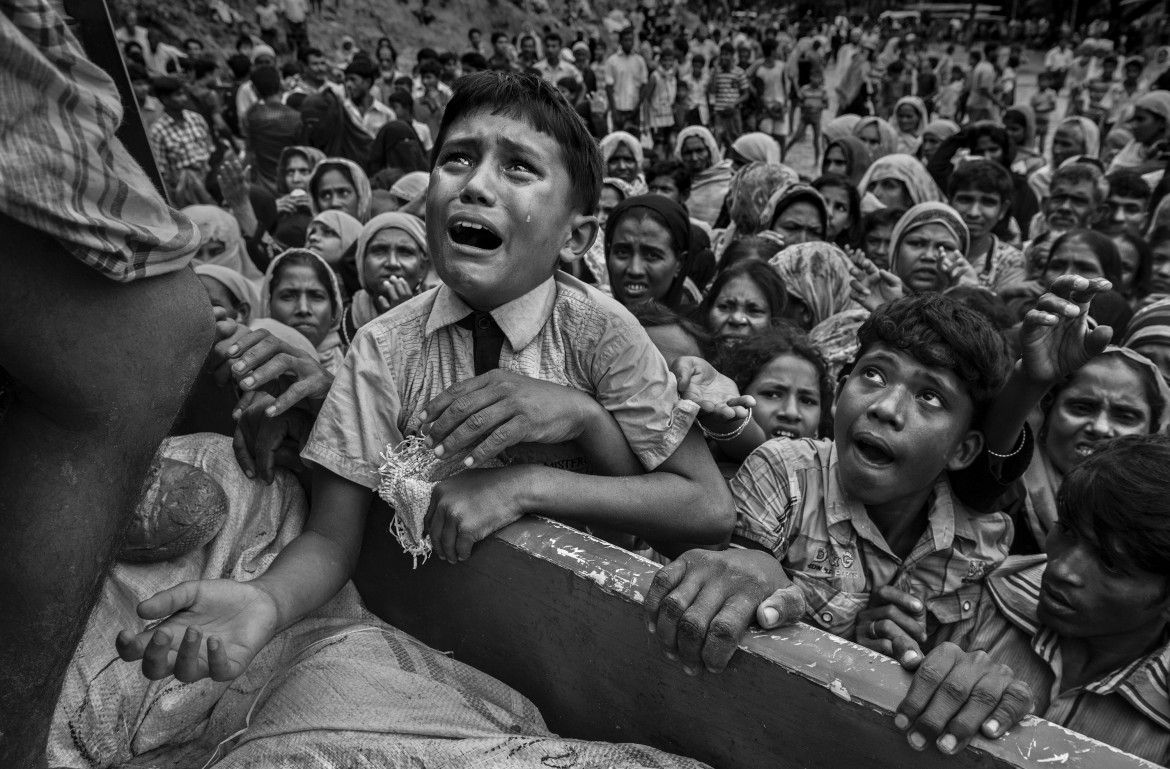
408,474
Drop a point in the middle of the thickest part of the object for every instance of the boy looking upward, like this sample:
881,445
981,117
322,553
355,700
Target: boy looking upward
510,353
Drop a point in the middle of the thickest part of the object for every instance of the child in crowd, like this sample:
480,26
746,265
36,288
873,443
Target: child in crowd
539,364
662,95
813,98
949,96
1043,103
981,191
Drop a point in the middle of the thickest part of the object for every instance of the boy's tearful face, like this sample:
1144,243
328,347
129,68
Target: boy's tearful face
899,424
499,210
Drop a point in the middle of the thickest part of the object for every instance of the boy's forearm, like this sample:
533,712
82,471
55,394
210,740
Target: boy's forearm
605,447
684,499
318,563
1009,411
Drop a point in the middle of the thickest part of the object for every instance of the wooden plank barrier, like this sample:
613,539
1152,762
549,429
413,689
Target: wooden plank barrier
557,615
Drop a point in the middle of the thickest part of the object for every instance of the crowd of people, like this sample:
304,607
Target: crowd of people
916,398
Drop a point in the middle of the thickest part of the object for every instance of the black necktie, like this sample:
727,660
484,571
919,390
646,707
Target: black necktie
488,339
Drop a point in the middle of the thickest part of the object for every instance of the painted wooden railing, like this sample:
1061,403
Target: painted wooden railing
557,615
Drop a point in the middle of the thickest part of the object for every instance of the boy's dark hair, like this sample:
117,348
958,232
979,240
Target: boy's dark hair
266,80
497,36
998,134
1128,183
727,48
403,83
401,98
239,64
201,68
571,84
769,46
554,36
676,171
304,53
744,362
526,97
988,303
473,31
448,57
983,176
430,67
939,331
427,54
473,60
652,314
1117,497
751,247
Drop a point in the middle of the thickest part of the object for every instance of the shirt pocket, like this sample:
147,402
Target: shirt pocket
830,608
960,604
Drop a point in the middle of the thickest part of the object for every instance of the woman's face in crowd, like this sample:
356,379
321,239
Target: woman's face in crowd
908,119
989,148
892,193
1105,400
1074,257
301,301
1016,131
788,398
1130,261
920,256
393,253
622,164
209,249
606,203
872,137
929,144
1160,278
642,261
835,161
695,154
336,193
1068,141
739,311
877,246
1146,127
799,222
297,173
837,200
325,241
220,297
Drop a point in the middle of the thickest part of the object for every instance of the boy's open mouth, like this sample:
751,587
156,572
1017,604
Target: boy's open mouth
785,432
474,235
873,451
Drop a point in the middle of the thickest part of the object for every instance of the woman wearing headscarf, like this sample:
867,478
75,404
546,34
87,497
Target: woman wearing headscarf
1150,126
613,192
847,156
288,296
1149,334
294,206
818,278
331,234
230,290
648,251
398,147
1020,123
391,268
795,214
922,241
878,135
755,148
899,181
410,188
622,155
751,188
1074,136
222,243
1158,67
935,133
853,90
696,148
330,128
840,127
910,119
339,183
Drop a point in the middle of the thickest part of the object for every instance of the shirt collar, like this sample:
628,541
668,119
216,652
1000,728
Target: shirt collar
1015,589
520,319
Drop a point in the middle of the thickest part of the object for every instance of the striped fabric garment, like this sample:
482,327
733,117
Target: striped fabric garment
62,170
1128,708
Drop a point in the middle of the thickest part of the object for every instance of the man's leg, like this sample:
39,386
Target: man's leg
98,371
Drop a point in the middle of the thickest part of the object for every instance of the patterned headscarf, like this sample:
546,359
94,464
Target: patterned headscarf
353,172
330,352
785,196
906,169
1149,324
817,274
757,147
887,134
929,213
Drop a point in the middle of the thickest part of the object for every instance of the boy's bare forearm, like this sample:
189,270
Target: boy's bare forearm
1009,411
605,447
684,499
318,563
